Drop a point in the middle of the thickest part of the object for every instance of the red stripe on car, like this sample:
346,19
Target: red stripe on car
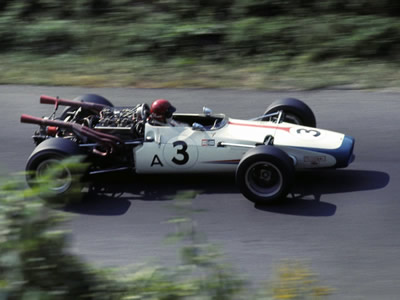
261,126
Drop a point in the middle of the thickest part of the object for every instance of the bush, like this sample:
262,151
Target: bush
35,262
203,29
253,36
47,36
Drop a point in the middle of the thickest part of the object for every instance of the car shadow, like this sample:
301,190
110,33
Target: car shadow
112,194
310,186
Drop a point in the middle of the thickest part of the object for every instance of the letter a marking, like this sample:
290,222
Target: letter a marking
156,161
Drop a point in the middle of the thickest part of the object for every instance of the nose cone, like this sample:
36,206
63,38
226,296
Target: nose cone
344,154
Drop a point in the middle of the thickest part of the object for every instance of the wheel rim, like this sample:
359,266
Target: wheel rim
264,179
61,179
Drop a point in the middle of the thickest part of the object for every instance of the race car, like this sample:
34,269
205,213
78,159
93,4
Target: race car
263,152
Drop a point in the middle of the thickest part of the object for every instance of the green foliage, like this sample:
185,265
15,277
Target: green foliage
48,37
67,172
33,256
205,29
253,36
35,262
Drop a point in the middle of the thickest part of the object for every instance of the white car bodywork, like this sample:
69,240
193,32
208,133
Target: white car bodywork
263,153
187,149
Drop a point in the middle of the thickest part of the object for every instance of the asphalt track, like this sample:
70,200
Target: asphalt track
344,223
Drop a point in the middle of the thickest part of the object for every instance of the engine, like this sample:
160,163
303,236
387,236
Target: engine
123,121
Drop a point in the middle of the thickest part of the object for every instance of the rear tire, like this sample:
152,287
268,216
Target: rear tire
296,111
92,98
39,166
47,169
265,175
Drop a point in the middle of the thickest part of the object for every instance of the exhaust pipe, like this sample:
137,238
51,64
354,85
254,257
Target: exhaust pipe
109,141
85,105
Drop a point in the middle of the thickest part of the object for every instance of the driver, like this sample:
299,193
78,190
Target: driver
161,113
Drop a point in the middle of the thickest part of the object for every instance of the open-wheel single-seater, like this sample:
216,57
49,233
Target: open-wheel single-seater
264,152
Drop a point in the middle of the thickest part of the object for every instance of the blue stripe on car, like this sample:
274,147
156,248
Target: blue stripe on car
223,162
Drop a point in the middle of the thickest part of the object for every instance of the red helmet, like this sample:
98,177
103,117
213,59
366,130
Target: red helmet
161,110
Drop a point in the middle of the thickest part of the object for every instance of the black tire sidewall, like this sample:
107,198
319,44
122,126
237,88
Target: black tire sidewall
59,149
281,161
295,107
54,198
93,98
90,98
36,159
65,112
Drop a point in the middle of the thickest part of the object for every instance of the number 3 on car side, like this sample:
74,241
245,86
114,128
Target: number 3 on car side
171,150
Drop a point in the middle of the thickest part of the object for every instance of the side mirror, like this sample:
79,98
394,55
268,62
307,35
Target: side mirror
207,111
198,127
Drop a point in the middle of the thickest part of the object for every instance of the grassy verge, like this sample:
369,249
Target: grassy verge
96,71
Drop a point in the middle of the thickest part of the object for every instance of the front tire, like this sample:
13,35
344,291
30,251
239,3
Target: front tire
295,111
265,175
